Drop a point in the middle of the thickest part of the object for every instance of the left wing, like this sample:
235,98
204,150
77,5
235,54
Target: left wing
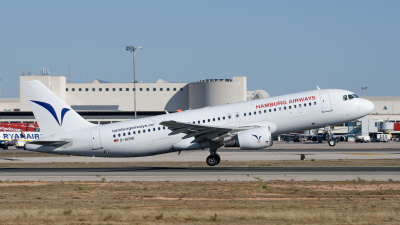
203,132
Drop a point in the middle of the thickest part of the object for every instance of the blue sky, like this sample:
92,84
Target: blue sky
280,46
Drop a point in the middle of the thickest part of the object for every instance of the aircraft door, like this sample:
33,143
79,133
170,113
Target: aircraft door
96,142
230,117
325,102
237,117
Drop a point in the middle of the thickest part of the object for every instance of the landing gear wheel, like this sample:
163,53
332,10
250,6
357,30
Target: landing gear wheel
332,142
218,158
212,160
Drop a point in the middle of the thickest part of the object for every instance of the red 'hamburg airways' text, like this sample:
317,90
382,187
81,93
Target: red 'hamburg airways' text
284,102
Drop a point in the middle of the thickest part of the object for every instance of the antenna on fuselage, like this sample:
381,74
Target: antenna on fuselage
318,88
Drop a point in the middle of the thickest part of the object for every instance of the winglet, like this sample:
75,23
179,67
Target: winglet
318,88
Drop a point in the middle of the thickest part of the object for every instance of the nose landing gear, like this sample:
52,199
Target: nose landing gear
332,142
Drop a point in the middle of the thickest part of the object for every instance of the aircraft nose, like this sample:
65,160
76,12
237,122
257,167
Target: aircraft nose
369,106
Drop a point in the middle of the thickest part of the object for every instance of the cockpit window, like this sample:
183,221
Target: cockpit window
351,97
344,97
355,96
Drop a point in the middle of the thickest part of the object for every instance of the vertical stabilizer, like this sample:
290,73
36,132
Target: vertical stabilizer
52,114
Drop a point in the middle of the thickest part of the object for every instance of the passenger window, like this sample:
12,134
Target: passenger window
106,89
209,120
86,89
127,89
194,122
351,97
114,135
244,114
147,89
270,110
274,109
138,131
204,121
113,89
229,117
344,97
249,113
163,128
305,104
280,109
309,104
100,89
148,130
315,103
284,108
265,111
154,129
123,134
295,106
219,119
160,128
120,89
198,122
161,89
290,107
167,89
80,89
144,131
129,133
134,132
299,105
154,89
255,113
237,115
119,135
213,119
73,89
93,89
259,112
223,117
140,89
174,89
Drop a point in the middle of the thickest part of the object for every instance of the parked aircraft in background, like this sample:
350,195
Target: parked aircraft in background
248,125
17,139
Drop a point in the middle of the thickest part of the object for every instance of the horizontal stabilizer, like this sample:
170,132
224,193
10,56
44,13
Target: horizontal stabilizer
48,143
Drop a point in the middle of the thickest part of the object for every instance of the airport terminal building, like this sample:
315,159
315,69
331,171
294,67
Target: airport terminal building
103,102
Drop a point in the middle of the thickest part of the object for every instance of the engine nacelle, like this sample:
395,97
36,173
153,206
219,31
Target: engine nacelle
252,139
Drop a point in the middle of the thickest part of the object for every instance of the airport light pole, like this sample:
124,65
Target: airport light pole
134,49
364,88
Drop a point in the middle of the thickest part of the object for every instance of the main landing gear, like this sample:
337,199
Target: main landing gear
213,159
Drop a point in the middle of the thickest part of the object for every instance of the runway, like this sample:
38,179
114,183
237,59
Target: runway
200,173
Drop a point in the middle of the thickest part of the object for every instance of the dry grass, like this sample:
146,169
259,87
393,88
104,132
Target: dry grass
224,163
274,202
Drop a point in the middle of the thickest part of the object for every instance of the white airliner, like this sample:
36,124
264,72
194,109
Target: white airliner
248,125
18,139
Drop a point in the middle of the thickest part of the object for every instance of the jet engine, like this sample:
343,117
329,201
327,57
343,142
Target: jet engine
252,139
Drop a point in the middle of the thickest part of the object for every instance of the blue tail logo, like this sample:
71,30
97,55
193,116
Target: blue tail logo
258,138
51,110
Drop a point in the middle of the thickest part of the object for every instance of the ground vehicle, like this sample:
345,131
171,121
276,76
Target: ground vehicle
375,140
363,139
